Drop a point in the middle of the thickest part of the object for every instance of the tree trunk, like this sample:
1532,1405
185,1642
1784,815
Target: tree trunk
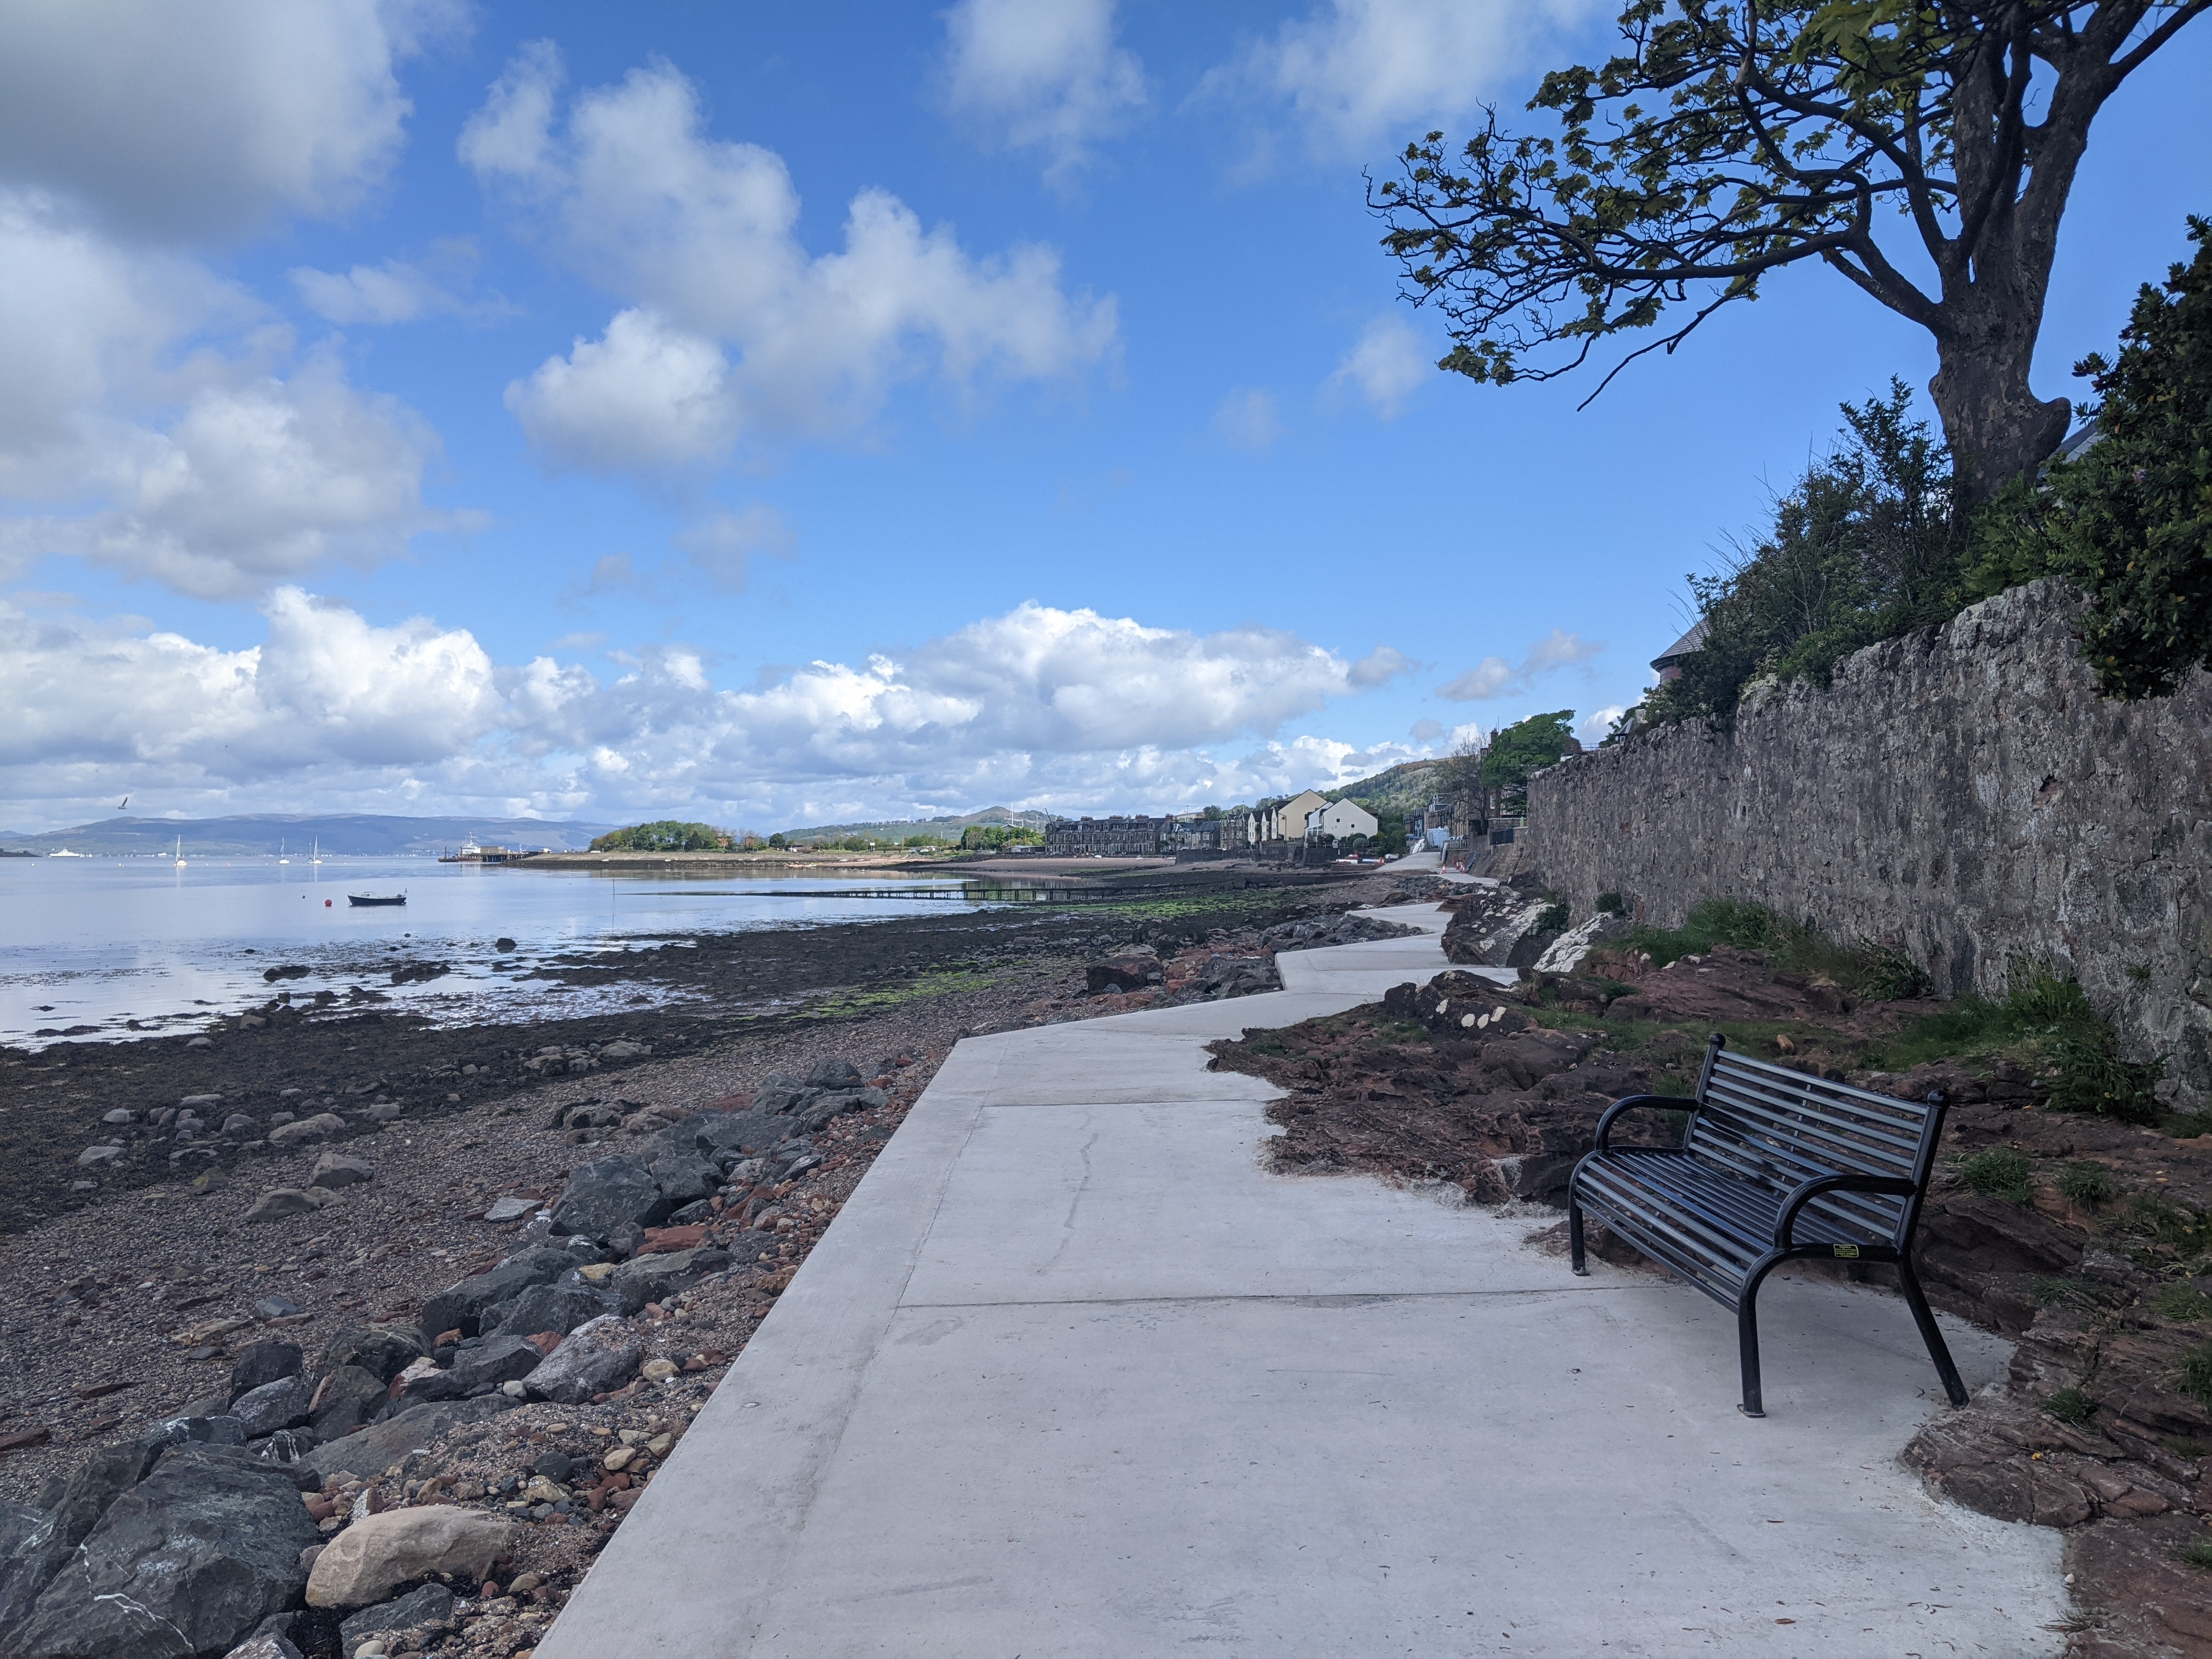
1997,428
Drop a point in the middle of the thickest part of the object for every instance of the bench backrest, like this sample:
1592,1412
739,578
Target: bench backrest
1767,1124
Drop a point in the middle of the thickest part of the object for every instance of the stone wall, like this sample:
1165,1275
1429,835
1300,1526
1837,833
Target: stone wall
1963,792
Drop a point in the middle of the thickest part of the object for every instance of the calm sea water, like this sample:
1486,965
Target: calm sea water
99,941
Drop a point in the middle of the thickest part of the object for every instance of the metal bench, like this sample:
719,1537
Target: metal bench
1774,1164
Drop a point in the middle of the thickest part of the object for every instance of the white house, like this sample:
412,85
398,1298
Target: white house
1340,820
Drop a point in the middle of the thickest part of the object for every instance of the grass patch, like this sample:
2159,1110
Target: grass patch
2197,1554
1866,969
2196,1374
2046,1018
2051,1291
2071,1406
2089,1185
2182,1304
1997,1172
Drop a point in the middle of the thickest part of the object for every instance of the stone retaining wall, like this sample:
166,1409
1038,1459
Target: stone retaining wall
1963,792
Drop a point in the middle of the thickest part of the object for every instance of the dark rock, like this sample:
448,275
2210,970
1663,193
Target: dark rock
593,1358
345,1399
817,1113
279,1405
382,1353
699,1209
460,1307
480,1364
626,1241
188,1562
87,1496
559,1308
1131,968
254,1458
17,1522
278,1307
653,1278
684,1176
836,1072
423,1612
410,1429
749,1247
555,1466
263,1362
726,1137
607,1195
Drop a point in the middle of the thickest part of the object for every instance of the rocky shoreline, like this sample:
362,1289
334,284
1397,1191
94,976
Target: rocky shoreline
443,1323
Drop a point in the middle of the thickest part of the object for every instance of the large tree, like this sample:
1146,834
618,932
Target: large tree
1924,151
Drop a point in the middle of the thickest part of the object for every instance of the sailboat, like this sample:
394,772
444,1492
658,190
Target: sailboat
281,858
180,851
318,848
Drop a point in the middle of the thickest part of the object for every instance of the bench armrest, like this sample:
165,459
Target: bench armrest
1668,1103
1806,1191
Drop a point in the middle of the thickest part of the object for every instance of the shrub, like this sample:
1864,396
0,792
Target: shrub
1862,549
1611,904
997,837
1997,1172
1865,969
1551,919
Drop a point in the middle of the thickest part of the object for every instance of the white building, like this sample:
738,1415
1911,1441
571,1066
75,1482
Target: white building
1288,820
1340,820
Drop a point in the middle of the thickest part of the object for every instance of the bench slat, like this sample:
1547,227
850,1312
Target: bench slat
1874,1140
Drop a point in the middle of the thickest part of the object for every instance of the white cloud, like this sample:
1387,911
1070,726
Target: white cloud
732,329
1058,707
1246,419
1595,726
1493,676
398,290
1047,77
1357,73
150,426
1380,666
645,396
1385,367
203,120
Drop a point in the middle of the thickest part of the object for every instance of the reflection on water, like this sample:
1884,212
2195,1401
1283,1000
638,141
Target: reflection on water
99,941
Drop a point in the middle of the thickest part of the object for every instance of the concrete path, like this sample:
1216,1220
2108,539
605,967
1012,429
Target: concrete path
1073,1374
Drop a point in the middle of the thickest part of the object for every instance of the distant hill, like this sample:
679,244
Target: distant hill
357,834
1414,783
900,829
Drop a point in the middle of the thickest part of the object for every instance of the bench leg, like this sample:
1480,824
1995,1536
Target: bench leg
1575,1235
1746,1342
1932,1334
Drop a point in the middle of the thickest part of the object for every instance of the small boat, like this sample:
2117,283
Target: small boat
364,900
180,851
281,858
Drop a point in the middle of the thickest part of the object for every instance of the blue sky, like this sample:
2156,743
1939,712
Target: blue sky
778,415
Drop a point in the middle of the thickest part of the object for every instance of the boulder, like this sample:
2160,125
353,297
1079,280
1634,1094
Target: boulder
607,1195
86,1496
750,1248
187,1562
378,1553
480,1364
460,1307
597,1356
17,1522
815,1116
511,1209
281,1201
409,1623
282,1404
321,1127
379,1350
397,1438
685,1175
559,1308
344,1400
726,1137
653,1278
1130,968
263,1362
836,1072
339,1170
265,1644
